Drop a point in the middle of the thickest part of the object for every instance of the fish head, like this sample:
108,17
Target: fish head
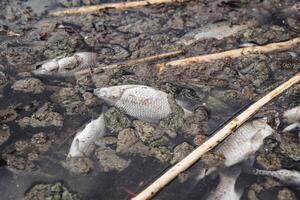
47,68
110,94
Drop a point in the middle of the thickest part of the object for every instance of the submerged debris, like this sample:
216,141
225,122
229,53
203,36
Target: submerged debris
53,191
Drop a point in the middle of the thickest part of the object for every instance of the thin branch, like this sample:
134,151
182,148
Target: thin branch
131,62
280,46
195,155
117,6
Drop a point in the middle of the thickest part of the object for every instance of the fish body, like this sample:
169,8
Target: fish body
218,31
292,115
288,177
139,101
84,141
239,146
67,66
226,187
245,141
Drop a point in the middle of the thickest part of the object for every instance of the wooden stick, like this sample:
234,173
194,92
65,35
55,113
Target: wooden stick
195,155
131,62
117,6
280,46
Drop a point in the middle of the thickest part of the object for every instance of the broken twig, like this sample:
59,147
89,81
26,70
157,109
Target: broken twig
117,6
280,46
217,138
131,62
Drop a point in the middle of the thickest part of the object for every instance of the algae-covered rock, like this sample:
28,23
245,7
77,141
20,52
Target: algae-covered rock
181,151
43,117
29,85
110,161
55,191
269,161
162,153
115,120
145,131
78,165
129,143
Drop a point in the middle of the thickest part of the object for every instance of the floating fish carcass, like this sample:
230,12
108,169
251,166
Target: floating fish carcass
84,141
243,143
67,66
139,101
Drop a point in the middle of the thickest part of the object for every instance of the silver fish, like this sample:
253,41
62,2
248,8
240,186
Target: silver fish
242,144
139,101
226,187
84,141
67,66
218,31
292,115
288,177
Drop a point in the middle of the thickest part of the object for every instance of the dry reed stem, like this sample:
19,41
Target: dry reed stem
279,46
217,138
117,6
131,62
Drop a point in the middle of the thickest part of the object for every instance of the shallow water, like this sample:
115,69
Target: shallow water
151,31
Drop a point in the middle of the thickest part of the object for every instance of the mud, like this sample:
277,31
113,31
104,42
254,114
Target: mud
39,114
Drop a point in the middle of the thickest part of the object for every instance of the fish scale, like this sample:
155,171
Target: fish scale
145,103
239,146
245,141
139,101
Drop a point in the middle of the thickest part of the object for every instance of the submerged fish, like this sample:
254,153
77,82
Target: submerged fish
218,31
226,187
242,144
84,141
292,117
288,177
67,66
139,101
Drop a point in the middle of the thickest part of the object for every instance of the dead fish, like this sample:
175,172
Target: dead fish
288,177
292,115
242,144
217,30
84,141
67,66
226,187
139,101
